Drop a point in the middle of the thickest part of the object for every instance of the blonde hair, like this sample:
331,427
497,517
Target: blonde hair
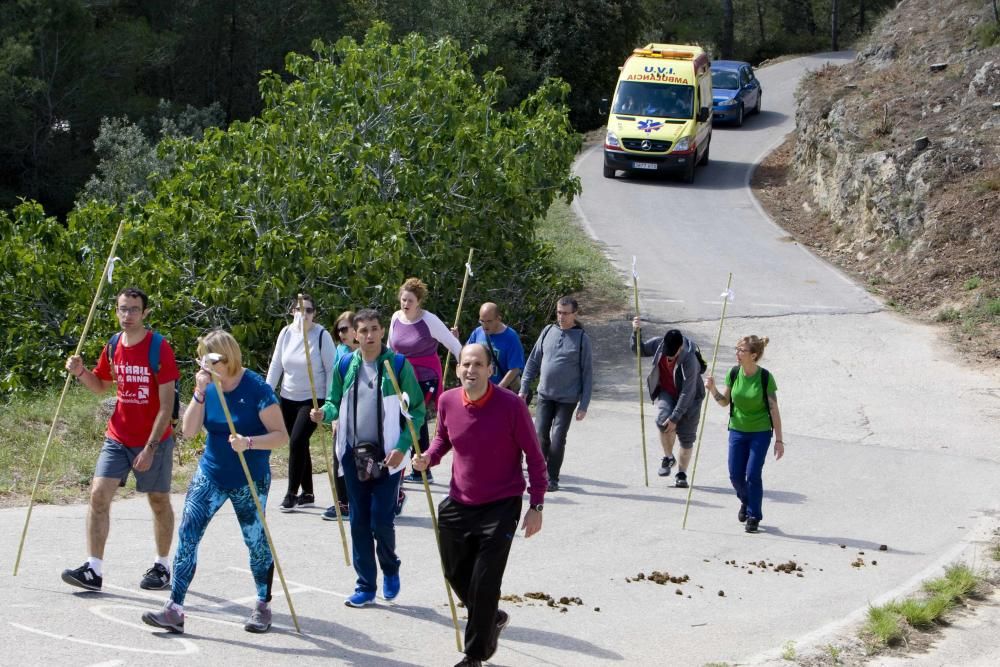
415,285
755,345
222,342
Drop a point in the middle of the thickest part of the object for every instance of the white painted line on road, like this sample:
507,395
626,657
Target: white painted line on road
142,592
109,663
188,647
649,298
771,305
589,228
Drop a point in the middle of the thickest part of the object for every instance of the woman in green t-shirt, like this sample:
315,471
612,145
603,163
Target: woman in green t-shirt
753,416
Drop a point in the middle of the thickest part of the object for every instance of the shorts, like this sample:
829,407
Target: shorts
115,461
687,427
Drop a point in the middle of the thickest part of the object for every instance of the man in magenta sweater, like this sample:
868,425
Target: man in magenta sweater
489,428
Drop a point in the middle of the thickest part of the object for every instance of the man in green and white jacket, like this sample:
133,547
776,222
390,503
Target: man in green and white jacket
364,403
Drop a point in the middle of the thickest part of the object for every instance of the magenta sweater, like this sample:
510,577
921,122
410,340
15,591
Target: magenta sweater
488,443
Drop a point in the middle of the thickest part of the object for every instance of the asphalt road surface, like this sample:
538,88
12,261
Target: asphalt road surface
889,442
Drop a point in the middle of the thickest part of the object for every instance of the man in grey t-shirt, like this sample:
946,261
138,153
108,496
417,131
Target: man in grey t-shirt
561,360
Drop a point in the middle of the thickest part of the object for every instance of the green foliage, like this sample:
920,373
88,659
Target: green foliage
377,161
986,34
959,581
883,627
972,283
788,650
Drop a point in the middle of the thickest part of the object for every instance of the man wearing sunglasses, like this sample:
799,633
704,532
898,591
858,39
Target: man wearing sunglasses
503,343
139,437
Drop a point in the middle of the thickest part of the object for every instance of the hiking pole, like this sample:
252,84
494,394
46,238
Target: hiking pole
727,296
326,454
427,490
458,313
638,361
69,379
253,487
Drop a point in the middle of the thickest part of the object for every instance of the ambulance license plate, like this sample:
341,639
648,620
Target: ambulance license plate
644,165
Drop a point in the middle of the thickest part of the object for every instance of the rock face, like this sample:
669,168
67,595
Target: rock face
890,146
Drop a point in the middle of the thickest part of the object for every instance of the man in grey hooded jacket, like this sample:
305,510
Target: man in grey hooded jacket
561,359
677,390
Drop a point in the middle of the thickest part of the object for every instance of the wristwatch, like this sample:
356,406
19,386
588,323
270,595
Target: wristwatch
537,508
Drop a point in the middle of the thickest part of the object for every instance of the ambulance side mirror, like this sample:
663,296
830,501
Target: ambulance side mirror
602,108
704,114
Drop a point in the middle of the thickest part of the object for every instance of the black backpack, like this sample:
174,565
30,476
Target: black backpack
154,366
701,359
765,379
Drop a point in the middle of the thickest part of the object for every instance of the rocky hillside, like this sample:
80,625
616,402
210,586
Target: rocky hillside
899,154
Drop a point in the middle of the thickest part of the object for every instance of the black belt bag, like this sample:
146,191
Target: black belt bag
368,460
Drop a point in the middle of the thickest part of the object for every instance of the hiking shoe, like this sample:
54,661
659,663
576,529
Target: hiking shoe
156,578
360,599
167,618
83,577
288,504
553,485
305,500
665,465
400,501
415,477
752,524
469,662
390,586
681,480
260,618
331,514
502,619
742,516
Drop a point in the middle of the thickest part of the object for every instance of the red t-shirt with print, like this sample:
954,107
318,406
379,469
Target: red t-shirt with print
138,393
667,376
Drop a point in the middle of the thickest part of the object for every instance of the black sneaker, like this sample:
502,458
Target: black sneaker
288,504
752,525
415,477
306,500
681,480
400,501
553,485
469,662
83,577
156,578
502,619
665,465
742,516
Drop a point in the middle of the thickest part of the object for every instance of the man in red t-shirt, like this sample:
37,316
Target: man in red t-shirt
139,439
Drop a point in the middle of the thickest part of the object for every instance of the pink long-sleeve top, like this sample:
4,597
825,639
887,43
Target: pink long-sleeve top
489,438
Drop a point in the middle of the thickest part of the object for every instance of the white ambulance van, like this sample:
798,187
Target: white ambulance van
661,114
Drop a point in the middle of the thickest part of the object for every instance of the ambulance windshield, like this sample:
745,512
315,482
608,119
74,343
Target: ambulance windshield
659,100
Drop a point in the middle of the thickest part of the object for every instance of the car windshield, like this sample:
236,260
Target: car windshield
725,80
660,100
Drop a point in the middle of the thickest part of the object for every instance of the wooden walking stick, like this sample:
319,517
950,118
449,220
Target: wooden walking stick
253,492
430,500
69,378
458,313
638,360
727,296
326,454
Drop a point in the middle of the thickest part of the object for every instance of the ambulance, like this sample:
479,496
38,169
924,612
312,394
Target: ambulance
661,114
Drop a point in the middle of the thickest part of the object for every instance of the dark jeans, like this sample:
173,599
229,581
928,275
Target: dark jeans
300,429
552,420
747,453
475,543
373,533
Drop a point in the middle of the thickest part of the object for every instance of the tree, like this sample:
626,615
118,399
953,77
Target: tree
727,29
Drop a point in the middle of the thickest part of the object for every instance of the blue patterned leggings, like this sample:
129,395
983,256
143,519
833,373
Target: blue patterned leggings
203,500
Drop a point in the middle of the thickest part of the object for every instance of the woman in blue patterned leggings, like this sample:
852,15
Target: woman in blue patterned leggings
220,477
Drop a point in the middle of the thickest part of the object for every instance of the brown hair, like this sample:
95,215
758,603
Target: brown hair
755,345
415,285
346,315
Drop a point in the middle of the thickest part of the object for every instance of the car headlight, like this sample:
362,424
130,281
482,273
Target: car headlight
612,140
683,145
728,103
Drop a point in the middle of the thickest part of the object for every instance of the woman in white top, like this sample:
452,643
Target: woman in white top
415,333
289,377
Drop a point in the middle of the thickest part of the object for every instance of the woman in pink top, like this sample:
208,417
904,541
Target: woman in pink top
416,333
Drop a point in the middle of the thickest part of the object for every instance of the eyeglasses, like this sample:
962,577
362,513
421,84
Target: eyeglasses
343,329
308,310
742,350
134,310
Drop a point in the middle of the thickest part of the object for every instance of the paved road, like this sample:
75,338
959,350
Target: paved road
890,442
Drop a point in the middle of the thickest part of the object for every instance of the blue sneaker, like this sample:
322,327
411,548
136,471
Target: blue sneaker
390,586
360,598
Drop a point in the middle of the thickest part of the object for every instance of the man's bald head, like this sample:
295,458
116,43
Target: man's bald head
489,318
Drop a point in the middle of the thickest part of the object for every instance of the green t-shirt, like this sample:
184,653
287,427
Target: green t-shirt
749,411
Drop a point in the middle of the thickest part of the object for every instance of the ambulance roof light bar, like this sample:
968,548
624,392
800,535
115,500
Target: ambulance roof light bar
657,51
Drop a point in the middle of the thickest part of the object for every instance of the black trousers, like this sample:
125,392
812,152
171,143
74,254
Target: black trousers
300,429
475,543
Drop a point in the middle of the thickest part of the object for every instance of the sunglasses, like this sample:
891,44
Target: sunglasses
343,329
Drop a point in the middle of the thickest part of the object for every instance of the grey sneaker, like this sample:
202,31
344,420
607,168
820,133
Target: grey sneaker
260,618
167,618
665,465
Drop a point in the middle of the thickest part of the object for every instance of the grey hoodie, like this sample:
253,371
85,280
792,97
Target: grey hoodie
687,374
561,360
